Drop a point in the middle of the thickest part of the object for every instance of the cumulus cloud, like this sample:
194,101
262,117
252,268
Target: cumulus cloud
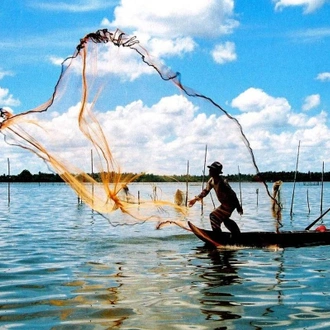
303,120
176,18
173,129
261,110
162,130
309,5
7,99
324,76
274,129
255,99
170,47
311,101
223,53
161,137
172,21
127,66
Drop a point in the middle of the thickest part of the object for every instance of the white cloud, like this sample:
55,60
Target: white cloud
324,76
7,99
263,110
274,130
309,5
311,101
73,6
160,138
172,18
303,120
134,131
256,100
167,47
56,60
172,21
224,53
4,73
311,35
127,66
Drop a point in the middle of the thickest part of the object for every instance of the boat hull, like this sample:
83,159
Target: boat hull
263,239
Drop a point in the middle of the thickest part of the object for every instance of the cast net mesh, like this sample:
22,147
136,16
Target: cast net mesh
110,99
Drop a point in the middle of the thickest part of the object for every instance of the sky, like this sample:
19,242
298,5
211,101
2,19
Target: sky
265,62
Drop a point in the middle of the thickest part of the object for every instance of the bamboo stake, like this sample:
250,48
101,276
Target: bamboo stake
92,170
203,182
321,206
187,184
309,209
92,164
295,178
240,187
257,192
8,163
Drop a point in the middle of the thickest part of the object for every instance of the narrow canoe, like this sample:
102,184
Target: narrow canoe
263,239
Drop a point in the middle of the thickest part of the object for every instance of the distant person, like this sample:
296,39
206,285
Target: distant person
226,196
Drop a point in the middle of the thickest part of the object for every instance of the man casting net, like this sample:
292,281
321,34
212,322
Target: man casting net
135,115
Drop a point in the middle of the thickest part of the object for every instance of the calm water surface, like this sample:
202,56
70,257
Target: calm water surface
63,266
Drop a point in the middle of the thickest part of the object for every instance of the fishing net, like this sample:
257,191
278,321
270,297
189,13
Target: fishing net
116,104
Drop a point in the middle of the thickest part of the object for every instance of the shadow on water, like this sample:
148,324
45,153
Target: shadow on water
217,276
234,291
262,289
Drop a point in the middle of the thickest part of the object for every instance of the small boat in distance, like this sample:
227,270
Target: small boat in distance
261,239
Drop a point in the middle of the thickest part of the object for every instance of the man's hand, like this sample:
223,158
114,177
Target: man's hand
192,202
239,209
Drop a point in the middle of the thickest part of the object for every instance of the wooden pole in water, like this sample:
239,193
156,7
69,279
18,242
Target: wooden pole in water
309,209
92,164
295,178
92,171
257,192
205,155
240,187
321,206
187,184
8,163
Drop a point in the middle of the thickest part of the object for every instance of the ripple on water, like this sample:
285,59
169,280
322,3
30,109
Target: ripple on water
63,266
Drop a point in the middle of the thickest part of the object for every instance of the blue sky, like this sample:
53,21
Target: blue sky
266,62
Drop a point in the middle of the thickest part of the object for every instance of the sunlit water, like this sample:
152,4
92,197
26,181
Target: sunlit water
63,266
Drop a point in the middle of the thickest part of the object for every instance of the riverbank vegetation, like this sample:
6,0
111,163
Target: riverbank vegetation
26,176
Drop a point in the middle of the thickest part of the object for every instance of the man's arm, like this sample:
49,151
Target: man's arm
203,193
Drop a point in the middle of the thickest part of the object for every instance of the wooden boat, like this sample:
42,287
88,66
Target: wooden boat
263,239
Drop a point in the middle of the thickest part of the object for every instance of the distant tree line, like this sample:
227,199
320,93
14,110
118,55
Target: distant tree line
26,176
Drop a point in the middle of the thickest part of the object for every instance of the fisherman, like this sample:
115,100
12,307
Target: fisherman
226,196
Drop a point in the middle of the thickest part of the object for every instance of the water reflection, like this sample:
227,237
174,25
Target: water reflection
218,302
262,289
64,266
91,299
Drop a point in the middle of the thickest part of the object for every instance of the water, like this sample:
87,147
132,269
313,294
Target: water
63,266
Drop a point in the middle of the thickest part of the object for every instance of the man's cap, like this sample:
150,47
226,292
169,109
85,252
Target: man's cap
216,166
